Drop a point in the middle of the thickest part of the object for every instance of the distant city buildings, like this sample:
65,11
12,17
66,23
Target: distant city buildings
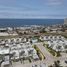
23,48
65,21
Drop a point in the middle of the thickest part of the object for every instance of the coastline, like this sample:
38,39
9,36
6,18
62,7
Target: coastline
23,22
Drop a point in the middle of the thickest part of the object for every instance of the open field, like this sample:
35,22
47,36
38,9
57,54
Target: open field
25,35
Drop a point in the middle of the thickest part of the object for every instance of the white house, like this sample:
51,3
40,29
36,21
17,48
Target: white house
34,40
57,43
6,61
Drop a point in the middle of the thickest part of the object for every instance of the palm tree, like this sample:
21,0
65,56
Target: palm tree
20,55
1,59
56,63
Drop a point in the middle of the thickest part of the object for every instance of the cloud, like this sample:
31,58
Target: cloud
29,14
15,13
30,11
54,2
18,10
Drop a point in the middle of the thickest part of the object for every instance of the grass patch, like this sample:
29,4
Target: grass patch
39,53
8,37
40,40
53,52
16,60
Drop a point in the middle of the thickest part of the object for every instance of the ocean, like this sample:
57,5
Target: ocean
21,22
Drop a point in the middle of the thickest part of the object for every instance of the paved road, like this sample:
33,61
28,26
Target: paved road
49,58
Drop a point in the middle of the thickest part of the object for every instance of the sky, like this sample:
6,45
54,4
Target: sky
33,9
